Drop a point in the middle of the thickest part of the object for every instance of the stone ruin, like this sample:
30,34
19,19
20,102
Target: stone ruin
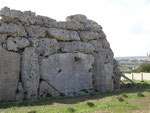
41,57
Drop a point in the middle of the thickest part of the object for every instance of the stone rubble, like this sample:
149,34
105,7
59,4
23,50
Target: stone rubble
40,57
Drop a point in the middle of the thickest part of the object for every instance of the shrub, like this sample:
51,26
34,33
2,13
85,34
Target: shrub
120,99
71,110
125,95
90,104
144,67
140,95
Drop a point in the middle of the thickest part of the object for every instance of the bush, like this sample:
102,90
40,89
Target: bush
140,95
144,67
90,104
71,110
120,99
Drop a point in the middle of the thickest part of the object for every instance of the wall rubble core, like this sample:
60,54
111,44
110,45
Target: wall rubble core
41,57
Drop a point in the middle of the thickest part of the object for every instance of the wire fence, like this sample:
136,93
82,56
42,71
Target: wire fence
138,76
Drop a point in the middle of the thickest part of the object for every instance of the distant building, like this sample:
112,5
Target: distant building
148,57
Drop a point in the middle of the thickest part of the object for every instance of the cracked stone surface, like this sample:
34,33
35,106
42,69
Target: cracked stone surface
63,73
9,74
30,73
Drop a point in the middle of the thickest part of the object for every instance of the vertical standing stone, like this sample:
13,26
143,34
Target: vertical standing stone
9,74
102,73
30,73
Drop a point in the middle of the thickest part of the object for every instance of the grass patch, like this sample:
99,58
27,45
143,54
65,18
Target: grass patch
97,102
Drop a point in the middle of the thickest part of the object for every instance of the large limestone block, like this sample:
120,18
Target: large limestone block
77,46
36,31
9,74
46,89
68,72
26,17
77,18
48,46
16,43
116,75
90,35
98,45
46,21
71,25
45,46
30,73
62,34
102,73
17,16
92,26
107,56
13,30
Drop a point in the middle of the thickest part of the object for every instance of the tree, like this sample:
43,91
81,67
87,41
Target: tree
144,67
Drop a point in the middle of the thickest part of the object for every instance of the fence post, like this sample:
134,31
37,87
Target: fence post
142,77
132,75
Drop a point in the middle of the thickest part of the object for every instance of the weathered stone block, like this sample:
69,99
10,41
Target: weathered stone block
62,34
36,31
30,73
71,25
17,16
46,21
98,45
90,35
13,30
102,74
77,18
77,46
9,74
16,43
68,72
45,46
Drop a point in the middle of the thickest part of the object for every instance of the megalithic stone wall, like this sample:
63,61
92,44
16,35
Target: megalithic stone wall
41,57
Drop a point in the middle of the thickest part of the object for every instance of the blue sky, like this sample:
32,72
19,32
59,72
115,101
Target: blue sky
125,22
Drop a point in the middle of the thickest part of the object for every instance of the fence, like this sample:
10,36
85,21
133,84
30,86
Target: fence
138,76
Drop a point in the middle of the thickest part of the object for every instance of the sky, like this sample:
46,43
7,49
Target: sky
126,23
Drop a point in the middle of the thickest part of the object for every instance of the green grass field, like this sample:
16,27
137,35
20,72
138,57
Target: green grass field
131,100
